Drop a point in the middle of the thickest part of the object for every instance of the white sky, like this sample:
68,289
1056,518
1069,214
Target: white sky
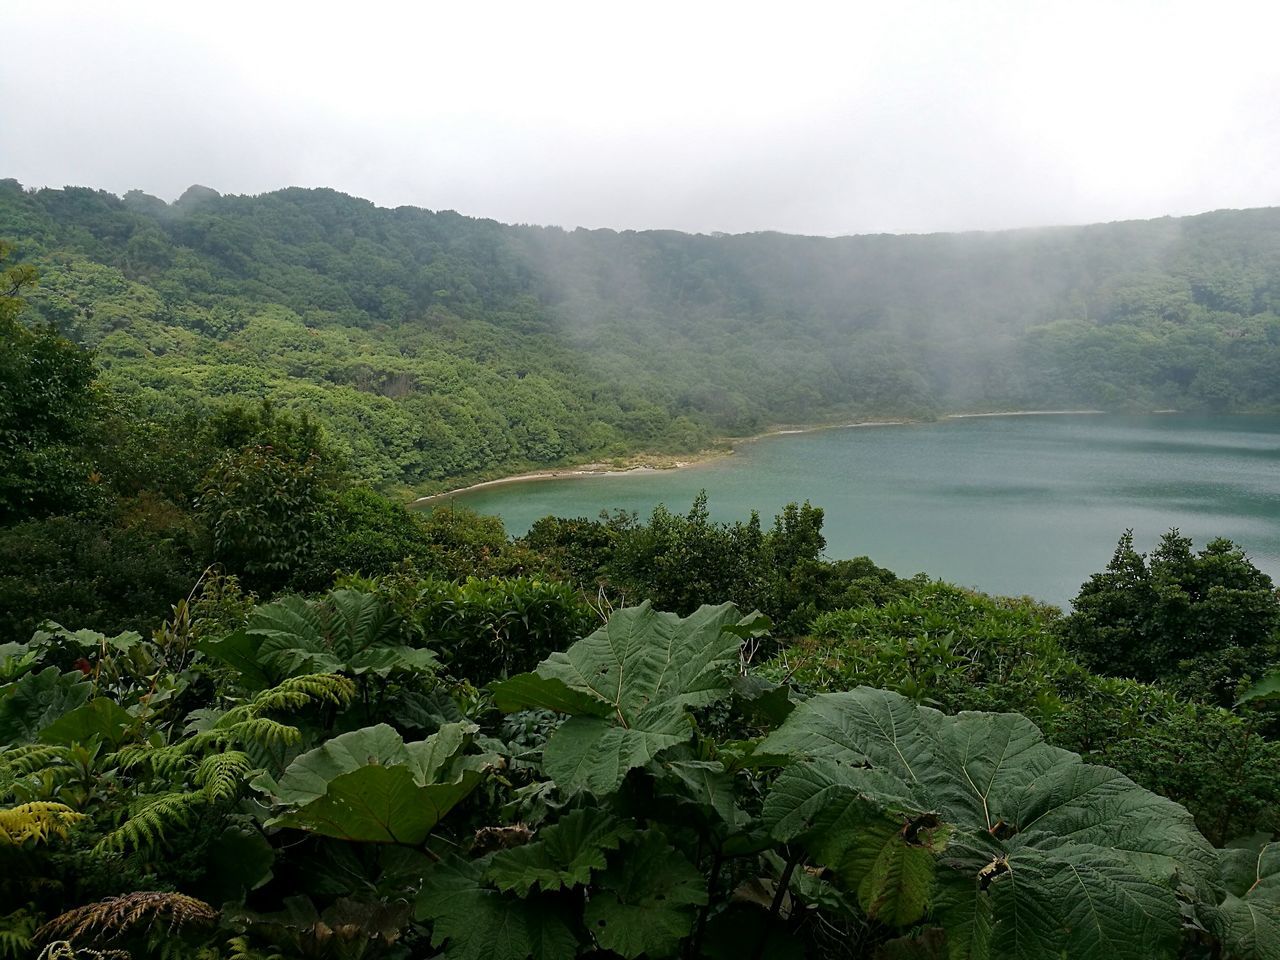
805,117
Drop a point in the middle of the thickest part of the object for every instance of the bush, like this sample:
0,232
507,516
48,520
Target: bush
958,650
485,629
1173,615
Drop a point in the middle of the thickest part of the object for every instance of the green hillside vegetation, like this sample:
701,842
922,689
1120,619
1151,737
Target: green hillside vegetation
432,346
252,708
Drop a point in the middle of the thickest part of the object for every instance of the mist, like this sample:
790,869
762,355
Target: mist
825,119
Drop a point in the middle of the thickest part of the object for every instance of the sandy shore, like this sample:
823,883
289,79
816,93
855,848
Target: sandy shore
611,470
1030,413
587,470
632,469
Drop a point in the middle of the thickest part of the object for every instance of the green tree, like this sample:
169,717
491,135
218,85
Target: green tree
1209,617
265,512
48,408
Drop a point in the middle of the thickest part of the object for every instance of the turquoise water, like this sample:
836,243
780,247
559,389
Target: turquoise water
1015,505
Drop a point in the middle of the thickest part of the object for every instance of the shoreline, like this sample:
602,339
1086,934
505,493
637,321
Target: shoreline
706,456
1033,413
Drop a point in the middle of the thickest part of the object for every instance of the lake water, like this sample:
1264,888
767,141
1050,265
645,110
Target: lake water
1014,505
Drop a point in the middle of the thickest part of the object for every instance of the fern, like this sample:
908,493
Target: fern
24,761
129,913
222,774
239,948
16,932
63,950
246,725
152,821
37,822
296,692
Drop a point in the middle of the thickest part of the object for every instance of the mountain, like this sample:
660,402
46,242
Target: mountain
434,346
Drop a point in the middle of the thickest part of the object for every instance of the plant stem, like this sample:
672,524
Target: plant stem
784,882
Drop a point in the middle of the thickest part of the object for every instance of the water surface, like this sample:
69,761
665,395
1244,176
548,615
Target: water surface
1016,505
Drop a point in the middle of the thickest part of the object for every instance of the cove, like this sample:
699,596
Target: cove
1009,505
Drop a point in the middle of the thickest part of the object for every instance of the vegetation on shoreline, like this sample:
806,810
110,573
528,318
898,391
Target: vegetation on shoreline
431,347
252,709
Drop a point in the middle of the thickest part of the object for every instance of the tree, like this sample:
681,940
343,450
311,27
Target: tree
265,512
48,406
1208,618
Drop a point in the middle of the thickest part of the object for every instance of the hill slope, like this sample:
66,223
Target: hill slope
436,346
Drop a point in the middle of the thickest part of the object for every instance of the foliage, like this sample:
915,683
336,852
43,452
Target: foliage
643,793
628,688
957,650
1175,613
681,562
369,785
1247,921
348,631
494,627
48,404
1016,846
265,513
436,346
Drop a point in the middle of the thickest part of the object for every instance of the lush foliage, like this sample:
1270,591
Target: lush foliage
956,650
368,732
305,779
1207,619
435,346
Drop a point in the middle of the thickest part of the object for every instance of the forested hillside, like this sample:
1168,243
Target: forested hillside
433,346
251,709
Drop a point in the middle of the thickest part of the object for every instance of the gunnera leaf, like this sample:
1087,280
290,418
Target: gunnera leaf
628,688
1247,921
643,904
564,854
1042,854
370,785
473,921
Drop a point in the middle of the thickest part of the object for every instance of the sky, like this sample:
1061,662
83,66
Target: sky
818,118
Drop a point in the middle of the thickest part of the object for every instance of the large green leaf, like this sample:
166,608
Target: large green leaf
1046,855
36,700
628,687
1248,920
101,717
564,854
1268,688
643,904
370,785
475,922
348,631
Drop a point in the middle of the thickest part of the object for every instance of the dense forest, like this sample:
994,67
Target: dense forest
430,346
253,709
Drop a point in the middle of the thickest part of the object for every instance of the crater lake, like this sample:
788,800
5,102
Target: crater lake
1017,504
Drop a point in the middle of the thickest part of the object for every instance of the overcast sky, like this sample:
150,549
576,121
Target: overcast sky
808,118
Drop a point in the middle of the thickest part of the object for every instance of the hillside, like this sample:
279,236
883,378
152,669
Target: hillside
433,346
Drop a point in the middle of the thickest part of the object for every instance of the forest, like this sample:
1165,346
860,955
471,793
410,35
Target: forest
253,708
435,348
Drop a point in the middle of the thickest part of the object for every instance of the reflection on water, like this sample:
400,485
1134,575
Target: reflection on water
1007,504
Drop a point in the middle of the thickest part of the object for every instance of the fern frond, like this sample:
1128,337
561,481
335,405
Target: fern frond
24,761
131,912
170,761
223,774
239,948
63,950
16,933
297,692
263,731
152,820
131,757
37,821
20,761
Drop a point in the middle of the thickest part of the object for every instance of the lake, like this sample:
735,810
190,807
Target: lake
1012,505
